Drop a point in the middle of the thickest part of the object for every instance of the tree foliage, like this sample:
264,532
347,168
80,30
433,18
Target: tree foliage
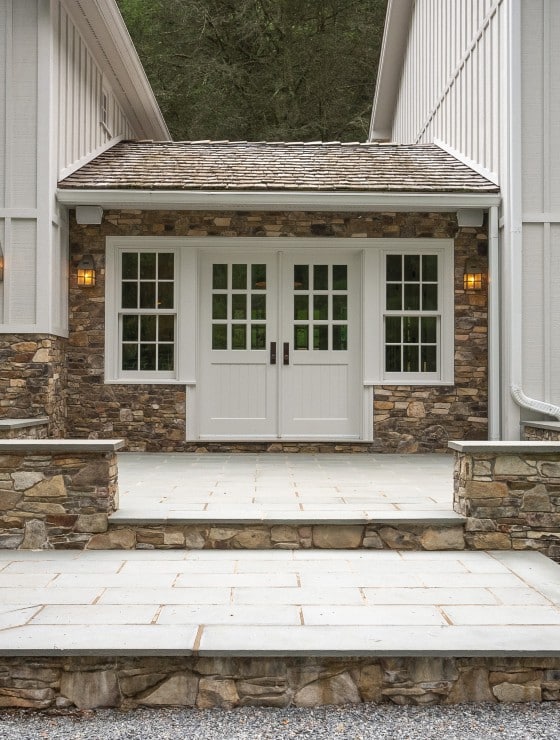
260,69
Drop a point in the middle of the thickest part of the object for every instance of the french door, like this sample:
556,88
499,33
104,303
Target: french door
280,345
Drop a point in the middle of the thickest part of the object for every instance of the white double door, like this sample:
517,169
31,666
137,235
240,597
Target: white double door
280,352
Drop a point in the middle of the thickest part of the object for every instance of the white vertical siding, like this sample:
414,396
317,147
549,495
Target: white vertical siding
451,89
22,266
80,86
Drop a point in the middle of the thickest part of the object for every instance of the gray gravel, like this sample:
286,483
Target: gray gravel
466,722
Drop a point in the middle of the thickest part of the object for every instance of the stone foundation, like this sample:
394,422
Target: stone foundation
510,494
534,431
128,683
56,494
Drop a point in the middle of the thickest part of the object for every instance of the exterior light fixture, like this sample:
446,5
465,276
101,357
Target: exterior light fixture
474,277
1,265
86,272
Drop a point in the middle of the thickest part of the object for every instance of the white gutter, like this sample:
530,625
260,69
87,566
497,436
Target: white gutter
275,200
514,224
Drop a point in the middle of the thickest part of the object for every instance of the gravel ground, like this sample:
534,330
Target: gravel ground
466,722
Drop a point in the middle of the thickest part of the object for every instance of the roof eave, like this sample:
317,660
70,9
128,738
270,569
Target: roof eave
393,48
104,30
277,200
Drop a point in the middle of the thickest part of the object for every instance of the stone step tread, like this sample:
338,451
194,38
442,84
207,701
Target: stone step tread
287,602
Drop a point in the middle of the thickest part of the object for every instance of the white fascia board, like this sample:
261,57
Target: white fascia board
393,50
276,201
105,32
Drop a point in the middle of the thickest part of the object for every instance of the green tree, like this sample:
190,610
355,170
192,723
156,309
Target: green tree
260,69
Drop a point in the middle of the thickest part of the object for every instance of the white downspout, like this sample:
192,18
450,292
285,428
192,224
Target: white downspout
494,321
514,220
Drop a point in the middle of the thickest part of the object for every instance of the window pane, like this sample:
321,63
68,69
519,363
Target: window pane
412,267
148,357
147,265
321,307
340,307
301,307
301,337
165,295
166,357
129,297
301,277
130,328
219,277
239,306
219,336
429,360
429,297
429,330
394,297
148,328
429,267
147,295
239,277
258,306
321,277
393,329
130,357
394,267
258,277
258,336
340,277
130,266
410,358
238,336
412,297
165,266
410,329
166,329
321,337
219,306
393,359
340,337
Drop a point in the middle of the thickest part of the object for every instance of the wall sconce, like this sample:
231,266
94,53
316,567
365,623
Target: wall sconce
474,277
1,265
86,272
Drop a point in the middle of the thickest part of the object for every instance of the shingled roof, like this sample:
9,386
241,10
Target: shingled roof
265,166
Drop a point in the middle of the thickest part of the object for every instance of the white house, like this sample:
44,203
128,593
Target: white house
478,78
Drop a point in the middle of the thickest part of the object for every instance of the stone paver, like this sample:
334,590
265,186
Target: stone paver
279,603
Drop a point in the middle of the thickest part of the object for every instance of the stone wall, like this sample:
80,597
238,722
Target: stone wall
36,428
56,494
33,379
153,417
128,683
510,493
541,430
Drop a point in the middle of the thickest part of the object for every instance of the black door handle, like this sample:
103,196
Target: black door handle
273,353
286,353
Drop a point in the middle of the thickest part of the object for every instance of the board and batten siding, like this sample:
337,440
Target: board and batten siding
540,181
451,89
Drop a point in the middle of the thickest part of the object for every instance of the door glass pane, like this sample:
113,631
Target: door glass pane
258,306
301,337
219,336
219,277
429,267
147,266
321,307
393,329
166,357
258,277
238,306
340,337
165,266
429,360
320,277
411,297
258,336
394,297
301,307
393,359
340,277
429,297
148,328
219,306
166,329
394,267
321,337
130,266
147,295
301,277
165,295
412,267
130,328
129,295
130,357
410,358
239,277
239,336
429,330
340,307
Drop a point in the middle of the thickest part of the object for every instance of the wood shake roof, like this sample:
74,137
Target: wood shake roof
262,166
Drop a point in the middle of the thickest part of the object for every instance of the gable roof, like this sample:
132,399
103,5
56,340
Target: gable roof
265,166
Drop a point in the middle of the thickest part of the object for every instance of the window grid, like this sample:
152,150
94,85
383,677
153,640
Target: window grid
239,306
320,307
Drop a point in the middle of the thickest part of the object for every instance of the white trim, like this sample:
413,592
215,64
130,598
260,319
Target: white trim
484,171
276,200
550,217
89,157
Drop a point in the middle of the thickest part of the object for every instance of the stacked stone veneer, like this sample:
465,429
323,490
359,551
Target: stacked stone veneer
56,494
153,417
541,430
510,493
127,683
